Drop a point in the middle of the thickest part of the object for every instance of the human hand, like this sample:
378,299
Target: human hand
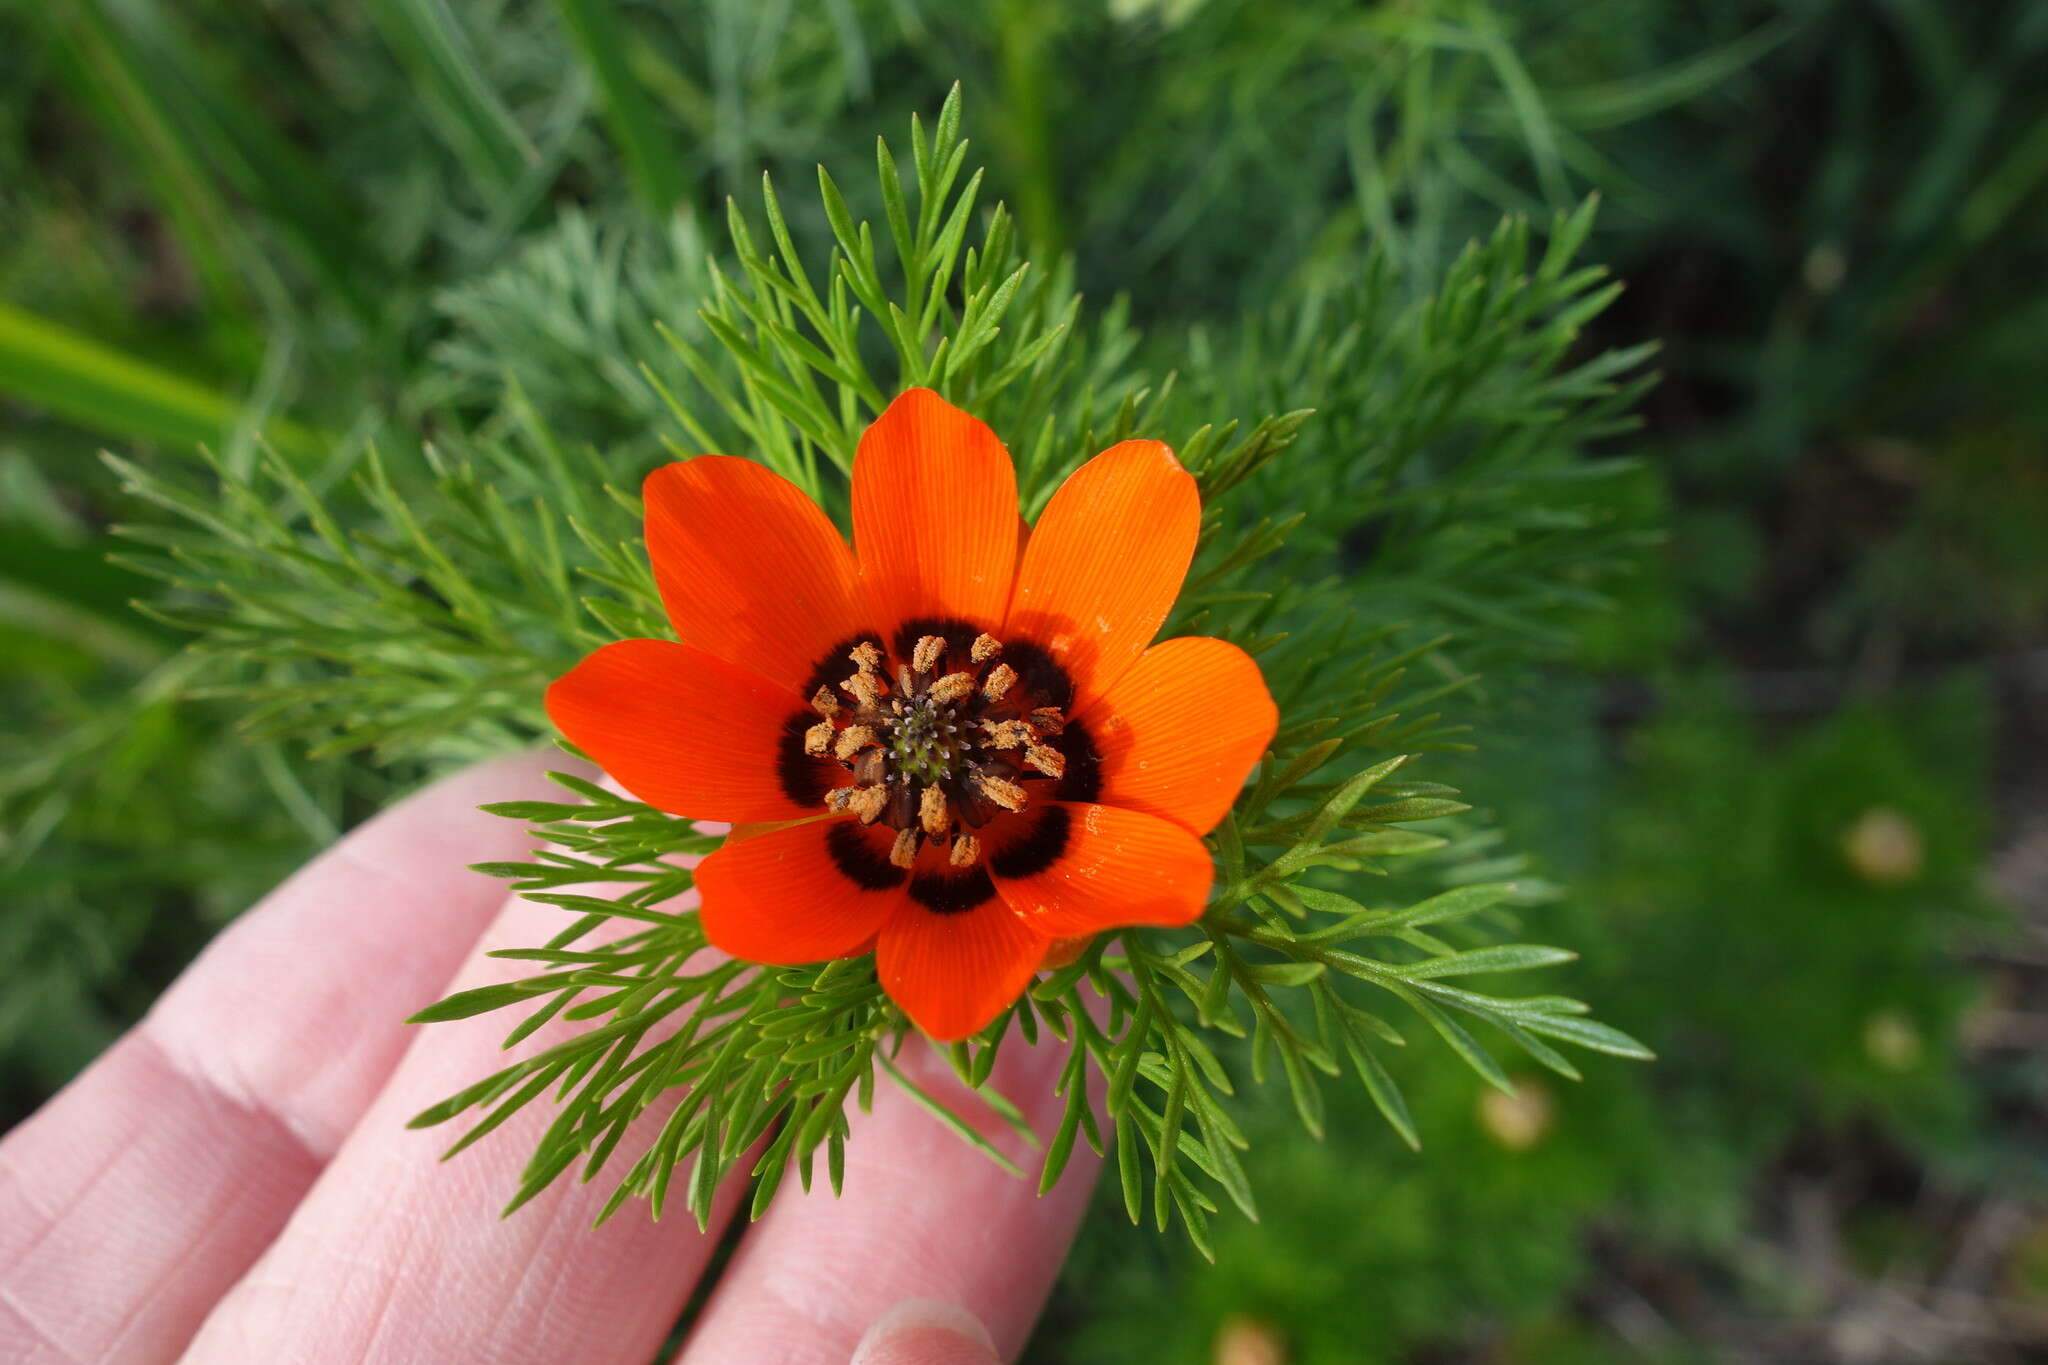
233,1181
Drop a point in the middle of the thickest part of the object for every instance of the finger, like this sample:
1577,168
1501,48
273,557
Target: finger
923,1216
135,1198
395,1256
926,1332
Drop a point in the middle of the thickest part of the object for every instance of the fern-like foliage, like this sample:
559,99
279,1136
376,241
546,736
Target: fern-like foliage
419,608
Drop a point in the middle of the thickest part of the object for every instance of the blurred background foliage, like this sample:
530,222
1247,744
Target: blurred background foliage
1782,782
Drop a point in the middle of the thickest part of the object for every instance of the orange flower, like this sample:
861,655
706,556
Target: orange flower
980,755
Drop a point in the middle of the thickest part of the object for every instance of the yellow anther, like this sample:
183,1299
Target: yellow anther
1007,734
818,739
951,688
1049,720
864,688
853,739
932,813
903,852
1000,680
1003,792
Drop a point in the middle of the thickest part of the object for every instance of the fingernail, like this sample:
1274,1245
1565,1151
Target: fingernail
926,1332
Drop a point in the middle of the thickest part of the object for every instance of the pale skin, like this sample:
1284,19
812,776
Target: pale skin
234,1182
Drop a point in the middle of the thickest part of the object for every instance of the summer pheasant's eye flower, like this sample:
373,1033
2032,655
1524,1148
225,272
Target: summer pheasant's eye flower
981,756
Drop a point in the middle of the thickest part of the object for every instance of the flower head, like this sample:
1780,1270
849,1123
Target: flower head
967,749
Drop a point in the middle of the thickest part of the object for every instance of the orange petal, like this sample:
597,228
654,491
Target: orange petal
1064,952
805,893
1087,868
1105,562
1177,733
750,569
691,734
934,515
954,969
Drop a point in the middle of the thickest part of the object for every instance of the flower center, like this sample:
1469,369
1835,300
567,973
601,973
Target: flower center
938,749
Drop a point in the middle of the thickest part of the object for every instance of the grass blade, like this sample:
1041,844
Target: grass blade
473,121
652,159
109,392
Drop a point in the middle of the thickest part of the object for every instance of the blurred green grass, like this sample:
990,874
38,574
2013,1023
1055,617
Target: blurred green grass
339,225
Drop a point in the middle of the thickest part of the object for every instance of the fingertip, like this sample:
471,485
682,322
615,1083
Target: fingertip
926,1332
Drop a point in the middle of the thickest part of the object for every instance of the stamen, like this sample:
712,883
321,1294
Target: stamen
824,703
951,688
932,813
985,647
966,851
1046,759
1000,790
1050,720
867,656
868,802
864,688
925,657
818,739
903,853
1007,734
903,684
1000,679
853,739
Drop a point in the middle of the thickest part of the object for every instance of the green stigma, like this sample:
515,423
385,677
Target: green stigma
922,742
